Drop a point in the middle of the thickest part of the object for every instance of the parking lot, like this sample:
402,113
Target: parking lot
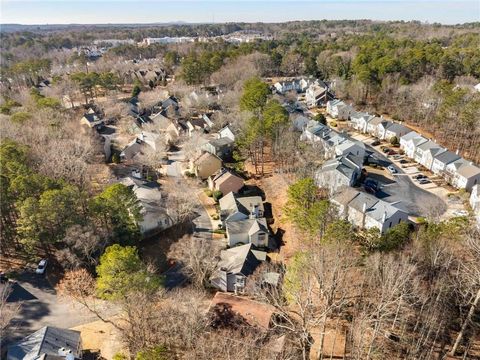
420,199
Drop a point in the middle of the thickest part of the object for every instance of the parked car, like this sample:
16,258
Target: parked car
419,176
424,181
371,186
391,152
460,213
385,150
392,169
375,143
42,266
403,161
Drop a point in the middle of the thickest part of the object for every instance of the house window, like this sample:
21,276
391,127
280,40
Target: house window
390,225
399,220
261,238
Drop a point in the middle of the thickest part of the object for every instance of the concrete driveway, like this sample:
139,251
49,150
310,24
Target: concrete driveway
40,306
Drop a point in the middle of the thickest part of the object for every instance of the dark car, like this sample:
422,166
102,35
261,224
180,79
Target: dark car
419,176
403,161
386,150
3,278
424,181
375,143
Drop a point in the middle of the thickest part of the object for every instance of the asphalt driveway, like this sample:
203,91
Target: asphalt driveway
41,306
415,200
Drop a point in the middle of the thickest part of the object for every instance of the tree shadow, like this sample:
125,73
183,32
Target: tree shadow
19,293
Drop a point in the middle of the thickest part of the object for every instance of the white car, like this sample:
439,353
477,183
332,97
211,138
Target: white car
460,213
392,169
42,266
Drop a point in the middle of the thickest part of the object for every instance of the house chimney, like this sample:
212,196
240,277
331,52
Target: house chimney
458,151
384,217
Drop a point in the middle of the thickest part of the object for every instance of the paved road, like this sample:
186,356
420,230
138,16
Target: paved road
40,306
417,201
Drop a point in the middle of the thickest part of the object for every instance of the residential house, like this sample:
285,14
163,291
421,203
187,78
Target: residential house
222,147
410,141
339,109
423,152
226,132
155,217
253,230
197,125
365,211
92,119
170,127
225,181
452,168
466,177
338,173
372,125
205,165
254,313
396,130
300,123
318,94
314,131
235,265
132,149
430,154
297,85
475,202
353,147
234,208
382,128
441,160
48,343
360,120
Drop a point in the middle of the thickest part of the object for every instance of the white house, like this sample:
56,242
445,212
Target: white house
372,125
466,177
441,161
353,147
338,173
248,231
382,128
423,152
365,211
360,120
154,213
396,130
430,154
318,93
339,109
410,141
226,132
234,208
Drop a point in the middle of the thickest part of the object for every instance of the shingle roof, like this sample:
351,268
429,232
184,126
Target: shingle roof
242,259
411,135
447,157
232,204
48,340
375,208
398,129
468,171
247,226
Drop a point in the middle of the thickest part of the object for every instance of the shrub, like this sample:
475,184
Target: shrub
215,217
208,192
333,124
189,174
321,119
217,195
394,141
20,117
116,158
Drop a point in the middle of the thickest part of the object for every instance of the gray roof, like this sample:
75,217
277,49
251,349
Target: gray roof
346,165
447,157
242,259
398,129
244,205
48,340
247,226
220,143
428,145
411,135
375,208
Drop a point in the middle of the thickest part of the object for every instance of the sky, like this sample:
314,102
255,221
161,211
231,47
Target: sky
162,11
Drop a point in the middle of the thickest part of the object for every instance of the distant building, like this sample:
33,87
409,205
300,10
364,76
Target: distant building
339,109
318,94
222,147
